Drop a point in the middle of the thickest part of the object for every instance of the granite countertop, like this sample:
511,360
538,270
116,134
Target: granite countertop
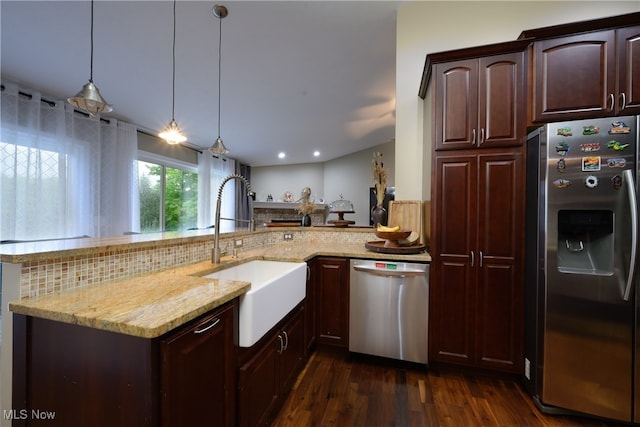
151,305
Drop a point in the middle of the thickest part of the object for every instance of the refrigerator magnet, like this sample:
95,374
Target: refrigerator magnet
565,131
562,148
561,183
590,130
616,145
591,163
616,182
590,147
617,162
591,181
561,165
618,127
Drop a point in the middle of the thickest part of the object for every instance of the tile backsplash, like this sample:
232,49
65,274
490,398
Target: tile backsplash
44,277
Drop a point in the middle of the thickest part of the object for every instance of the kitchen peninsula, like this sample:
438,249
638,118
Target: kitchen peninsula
142,291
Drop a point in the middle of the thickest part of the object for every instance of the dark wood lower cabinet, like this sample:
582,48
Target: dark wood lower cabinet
198,373
332,301
90,377
268,370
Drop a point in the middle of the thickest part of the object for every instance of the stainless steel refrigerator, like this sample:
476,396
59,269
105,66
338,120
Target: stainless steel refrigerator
582,335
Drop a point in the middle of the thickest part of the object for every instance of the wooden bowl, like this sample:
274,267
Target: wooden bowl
393,236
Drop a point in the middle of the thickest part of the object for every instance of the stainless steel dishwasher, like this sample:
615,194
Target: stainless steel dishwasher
388,309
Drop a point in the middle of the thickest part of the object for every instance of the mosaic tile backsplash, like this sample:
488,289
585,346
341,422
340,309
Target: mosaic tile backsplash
44,277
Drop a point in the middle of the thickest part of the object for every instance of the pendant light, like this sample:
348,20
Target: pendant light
89,98
219,11
172,133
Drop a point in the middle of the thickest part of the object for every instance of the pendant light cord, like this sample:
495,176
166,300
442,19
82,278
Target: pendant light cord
91,66
219,70
173,90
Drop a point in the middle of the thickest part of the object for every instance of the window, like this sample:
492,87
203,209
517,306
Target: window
168,196
63,174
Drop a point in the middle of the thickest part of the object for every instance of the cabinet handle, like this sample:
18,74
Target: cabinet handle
472,259
481,256
481,137
624,101
473,137
308,273
281,349
286,339
612,100
213,323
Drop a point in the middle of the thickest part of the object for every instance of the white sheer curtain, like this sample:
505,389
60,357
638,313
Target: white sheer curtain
211,172
63,174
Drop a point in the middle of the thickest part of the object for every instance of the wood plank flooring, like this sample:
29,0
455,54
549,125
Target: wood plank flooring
340,389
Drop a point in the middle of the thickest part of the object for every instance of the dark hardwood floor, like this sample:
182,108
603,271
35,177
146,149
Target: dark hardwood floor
339,389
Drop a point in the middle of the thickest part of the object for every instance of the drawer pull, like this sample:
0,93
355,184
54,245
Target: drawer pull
213,322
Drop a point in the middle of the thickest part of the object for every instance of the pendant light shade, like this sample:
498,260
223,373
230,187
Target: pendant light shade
89,98
219,11
172,133
218,148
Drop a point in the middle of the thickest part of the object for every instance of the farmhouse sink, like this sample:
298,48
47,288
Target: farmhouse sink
276,288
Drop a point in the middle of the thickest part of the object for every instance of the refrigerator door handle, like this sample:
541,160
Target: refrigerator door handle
631,188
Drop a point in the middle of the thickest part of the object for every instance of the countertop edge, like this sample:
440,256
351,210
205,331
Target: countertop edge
176,282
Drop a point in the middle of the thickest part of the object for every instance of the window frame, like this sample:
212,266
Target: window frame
165,162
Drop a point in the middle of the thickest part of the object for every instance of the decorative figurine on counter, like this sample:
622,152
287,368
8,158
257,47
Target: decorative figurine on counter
378,212
305,207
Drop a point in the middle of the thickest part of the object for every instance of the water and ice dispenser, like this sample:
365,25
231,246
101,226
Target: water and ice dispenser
585,242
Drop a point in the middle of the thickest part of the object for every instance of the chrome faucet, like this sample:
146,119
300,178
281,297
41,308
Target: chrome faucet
215,257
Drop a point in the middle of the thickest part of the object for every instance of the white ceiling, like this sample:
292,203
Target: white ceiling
296,76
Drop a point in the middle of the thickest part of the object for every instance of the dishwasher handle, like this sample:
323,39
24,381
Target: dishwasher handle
390,273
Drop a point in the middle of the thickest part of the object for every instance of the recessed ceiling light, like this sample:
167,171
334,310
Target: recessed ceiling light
281,155
316,153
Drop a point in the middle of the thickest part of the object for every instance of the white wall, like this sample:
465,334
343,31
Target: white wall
350,176
430,26
276,180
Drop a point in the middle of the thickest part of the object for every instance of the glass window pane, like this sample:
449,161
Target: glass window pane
150,185
181,199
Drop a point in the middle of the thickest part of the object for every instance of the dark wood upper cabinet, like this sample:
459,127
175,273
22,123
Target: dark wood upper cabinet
480,102
628,44
588,75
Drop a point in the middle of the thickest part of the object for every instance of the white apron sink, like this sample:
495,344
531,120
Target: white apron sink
276,288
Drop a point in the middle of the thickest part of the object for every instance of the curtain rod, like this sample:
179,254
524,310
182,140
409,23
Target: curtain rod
54,103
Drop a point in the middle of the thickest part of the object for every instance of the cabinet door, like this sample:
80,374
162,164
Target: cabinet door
259,385
292,356
198,378
332,314
574,77
502,100
499,336
309,308
456,95
452,282
628,45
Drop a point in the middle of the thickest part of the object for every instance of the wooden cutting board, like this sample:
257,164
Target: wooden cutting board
409,215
